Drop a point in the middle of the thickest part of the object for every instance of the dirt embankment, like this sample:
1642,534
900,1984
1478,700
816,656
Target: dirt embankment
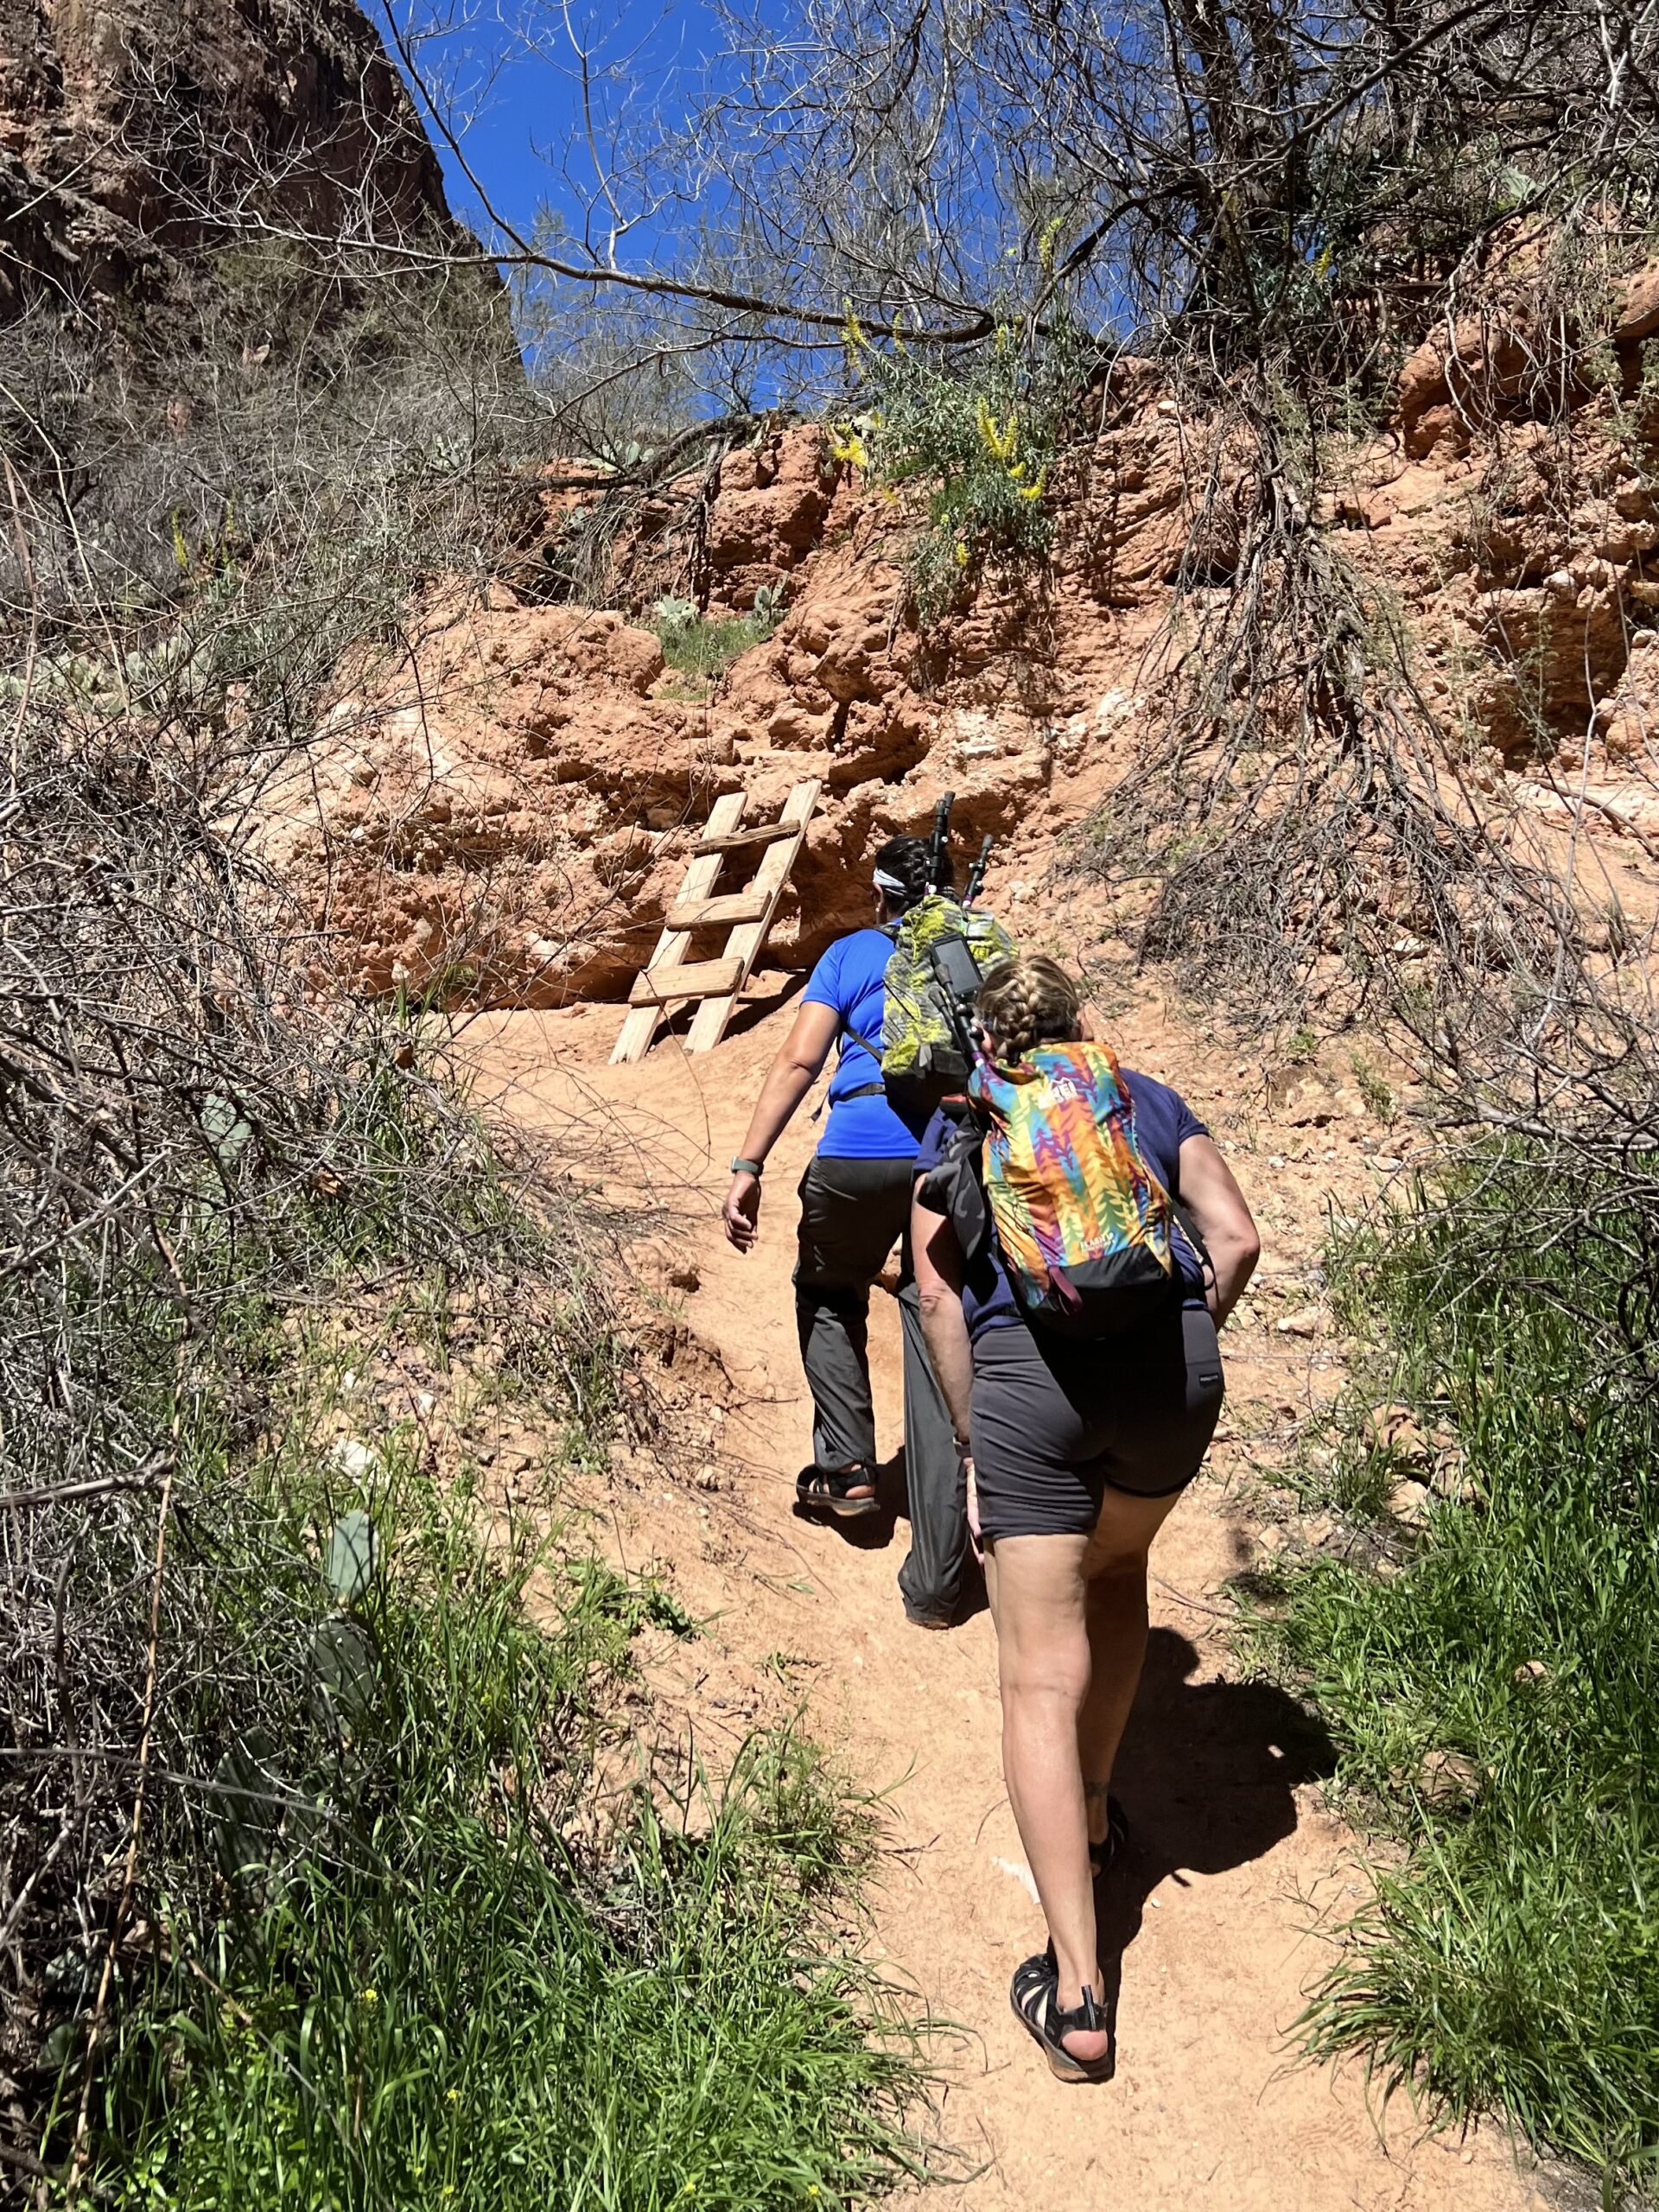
505,812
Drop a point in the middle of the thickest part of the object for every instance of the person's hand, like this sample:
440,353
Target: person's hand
973,1510
741,1215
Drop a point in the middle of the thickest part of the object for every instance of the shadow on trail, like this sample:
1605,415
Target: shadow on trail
874,1532
1206,1775
767,992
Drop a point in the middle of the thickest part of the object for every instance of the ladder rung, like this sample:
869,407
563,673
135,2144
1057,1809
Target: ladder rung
701,979
766,833
704,913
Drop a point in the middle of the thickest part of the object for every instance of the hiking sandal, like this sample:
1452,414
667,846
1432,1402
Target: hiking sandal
1034,1994
827,1489
1102,1854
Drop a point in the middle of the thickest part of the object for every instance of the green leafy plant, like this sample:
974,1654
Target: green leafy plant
699,651
976,440
1373,1088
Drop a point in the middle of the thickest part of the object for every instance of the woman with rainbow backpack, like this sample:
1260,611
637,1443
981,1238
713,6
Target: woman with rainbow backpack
1078,1241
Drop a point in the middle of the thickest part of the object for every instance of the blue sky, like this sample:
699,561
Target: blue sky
516,80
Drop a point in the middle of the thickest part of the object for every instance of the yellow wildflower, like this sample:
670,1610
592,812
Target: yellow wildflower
1048,242
1322,265
1000,441
846,444
962,553
1036,488
852,330
368,1997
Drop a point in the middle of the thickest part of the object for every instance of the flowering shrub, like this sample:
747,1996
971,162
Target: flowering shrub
969,444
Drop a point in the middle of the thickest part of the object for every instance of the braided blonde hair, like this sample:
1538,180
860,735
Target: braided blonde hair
1026,1001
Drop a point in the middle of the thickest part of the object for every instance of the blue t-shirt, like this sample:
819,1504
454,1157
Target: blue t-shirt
850,979
1163,1122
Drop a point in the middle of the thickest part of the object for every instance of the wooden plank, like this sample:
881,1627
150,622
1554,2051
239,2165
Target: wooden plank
640,1024
735,840
704,913
662,985
708,1023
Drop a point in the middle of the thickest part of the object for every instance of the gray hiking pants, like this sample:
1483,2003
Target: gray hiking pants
853,1211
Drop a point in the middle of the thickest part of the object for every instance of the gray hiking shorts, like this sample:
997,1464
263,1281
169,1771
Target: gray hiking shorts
1057,1422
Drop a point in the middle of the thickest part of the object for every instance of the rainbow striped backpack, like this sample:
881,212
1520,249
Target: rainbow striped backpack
1084,1228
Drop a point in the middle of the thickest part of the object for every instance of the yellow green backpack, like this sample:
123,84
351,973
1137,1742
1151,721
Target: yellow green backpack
921,1053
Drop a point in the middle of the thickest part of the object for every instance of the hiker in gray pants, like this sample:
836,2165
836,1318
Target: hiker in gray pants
856,1200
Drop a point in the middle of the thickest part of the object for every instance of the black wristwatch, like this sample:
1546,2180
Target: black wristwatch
748,1167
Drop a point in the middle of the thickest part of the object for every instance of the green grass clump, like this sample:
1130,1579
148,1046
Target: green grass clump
699,651
435,1978
1497,1702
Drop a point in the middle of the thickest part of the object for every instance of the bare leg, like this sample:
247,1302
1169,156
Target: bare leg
1043,1661
1115,1614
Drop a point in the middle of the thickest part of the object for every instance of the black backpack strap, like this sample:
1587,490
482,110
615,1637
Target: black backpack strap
1194,1236
891,932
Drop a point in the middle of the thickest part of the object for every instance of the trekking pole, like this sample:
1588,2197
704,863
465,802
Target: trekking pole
939,849
976,874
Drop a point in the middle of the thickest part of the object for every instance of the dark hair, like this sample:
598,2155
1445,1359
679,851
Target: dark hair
911,863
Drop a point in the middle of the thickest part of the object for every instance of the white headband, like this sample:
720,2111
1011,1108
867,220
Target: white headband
883,882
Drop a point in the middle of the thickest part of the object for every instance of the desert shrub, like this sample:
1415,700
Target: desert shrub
295,1890
198,1153
314,440
974,439
1493,1700
206,1148
696,647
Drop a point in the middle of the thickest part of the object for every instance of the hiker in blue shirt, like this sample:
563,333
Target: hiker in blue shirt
854,1207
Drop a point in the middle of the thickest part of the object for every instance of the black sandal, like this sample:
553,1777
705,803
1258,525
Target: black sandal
1102,1854
1034,1994
825,1490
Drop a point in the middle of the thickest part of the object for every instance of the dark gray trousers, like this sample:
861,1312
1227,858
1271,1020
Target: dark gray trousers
853,1211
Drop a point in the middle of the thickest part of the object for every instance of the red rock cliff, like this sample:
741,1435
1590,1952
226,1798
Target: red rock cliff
118,118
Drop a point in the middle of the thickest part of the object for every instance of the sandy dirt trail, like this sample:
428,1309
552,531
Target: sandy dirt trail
1231,1855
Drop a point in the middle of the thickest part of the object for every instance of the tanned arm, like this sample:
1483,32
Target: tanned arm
1216,1204
792,1075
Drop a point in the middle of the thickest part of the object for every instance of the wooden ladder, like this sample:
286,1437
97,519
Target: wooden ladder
669,979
